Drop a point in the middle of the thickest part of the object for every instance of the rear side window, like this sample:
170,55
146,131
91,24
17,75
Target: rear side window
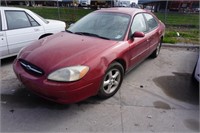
33,22
19,19
151,21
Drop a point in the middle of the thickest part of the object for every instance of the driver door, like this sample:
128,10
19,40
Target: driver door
139,48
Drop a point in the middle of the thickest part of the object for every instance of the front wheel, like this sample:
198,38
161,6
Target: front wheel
157,50
112,80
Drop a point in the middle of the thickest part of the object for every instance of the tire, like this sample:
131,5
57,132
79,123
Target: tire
157,50
112,80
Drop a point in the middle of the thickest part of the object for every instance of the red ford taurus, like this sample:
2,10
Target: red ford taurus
91,57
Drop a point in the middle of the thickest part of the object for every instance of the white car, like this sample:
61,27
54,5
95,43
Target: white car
19,27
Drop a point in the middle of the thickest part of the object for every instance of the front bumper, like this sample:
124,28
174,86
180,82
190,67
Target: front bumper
60,92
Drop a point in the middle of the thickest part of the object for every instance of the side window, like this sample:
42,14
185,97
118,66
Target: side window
138,24
17,19
152,23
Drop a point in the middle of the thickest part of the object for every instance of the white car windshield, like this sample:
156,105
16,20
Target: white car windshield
112,26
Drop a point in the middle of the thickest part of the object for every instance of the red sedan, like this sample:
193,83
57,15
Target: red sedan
92,56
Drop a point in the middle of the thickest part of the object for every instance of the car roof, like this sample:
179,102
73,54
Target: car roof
124,10
12,8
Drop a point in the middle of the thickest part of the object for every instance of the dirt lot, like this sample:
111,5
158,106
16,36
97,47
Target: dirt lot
156,96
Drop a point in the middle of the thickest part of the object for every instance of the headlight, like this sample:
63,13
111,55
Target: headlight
69,73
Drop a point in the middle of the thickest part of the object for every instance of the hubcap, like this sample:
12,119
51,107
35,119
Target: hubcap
111,81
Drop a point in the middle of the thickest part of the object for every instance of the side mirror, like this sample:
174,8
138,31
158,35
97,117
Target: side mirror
137,34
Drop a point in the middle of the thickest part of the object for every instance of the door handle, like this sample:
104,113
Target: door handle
1,34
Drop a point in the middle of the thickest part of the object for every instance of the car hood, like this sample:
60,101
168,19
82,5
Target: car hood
54,24
64,49
51,21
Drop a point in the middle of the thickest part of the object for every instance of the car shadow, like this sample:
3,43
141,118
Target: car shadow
179,86
22,98
7,61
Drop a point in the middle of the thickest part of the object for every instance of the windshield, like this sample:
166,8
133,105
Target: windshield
112,26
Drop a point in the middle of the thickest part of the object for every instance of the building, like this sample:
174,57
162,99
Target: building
175,5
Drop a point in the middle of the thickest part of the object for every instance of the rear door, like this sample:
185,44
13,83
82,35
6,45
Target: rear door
3,40
153,33
22,29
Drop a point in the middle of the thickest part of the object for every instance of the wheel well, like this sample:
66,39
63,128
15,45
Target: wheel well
122,62
45,35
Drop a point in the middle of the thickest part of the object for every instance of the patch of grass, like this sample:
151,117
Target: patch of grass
179,19
170,33
171,40
187,25
185,35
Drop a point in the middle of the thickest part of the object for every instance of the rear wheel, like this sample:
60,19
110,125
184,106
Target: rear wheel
157,50
112,80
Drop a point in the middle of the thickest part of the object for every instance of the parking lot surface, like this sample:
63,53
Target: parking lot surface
156,96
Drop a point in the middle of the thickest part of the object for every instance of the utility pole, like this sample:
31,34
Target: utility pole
58,9
166,11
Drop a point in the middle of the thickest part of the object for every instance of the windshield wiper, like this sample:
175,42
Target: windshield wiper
91,34
69,31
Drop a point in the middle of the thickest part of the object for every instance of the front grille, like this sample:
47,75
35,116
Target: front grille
30,68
